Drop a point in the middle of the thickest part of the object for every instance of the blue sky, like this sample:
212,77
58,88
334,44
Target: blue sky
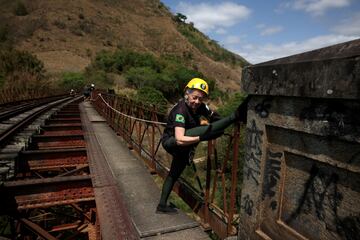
264,30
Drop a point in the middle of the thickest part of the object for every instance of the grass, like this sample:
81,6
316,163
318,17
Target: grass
209,47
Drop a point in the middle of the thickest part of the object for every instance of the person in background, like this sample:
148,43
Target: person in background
72,93
183,133
87,91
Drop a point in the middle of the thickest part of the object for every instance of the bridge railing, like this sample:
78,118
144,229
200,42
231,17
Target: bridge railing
16,95
212,193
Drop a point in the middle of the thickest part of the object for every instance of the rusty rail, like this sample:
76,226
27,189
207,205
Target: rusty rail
46,103
14,108
142,128
51,194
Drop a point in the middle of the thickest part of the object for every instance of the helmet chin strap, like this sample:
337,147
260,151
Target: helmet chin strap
186,97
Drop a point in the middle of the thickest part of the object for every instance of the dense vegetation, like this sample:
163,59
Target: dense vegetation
20,9
22,76
72,80
163,77
12,61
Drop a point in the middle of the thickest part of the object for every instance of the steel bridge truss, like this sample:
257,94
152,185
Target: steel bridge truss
51,194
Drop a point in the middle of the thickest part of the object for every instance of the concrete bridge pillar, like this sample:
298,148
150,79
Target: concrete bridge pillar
302,165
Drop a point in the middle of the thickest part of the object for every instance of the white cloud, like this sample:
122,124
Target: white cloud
232,40
220,31
261,53
317,7
268,30
350,26
260,26
207,16
271,30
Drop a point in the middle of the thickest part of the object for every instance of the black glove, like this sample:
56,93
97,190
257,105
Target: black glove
241,111
209,135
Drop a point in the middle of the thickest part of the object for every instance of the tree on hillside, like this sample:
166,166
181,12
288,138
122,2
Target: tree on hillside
12,60
179,17
20,9
149,95
72,80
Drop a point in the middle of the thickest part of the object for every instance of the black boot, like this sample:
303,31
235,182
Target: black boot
166,190
166,209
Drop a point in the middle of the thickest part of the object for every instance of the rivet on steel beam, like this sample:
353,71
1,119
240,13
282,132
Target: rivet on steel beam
274,73
329,91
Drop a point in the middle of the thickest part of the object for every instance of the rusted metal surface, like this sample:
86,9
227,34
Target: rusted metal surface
58,120
15,110
47,192
49,159
52,180
301,173
115,222
32,114
62,129
37,229
17,131
331,72
57,141
126,118
32,227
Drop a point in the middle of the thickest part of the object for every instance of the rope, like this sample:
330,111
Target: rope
91,99
125,115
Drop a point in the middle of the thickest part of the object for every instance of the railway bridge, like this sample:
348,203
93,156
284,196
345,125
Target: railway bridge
88,170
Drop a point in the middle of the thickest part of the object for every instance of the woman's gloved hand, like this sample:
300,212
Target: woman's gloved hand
204,121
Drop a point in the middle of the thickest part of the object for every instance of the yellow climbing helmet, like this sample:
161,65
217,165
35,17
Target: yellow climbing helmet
198,83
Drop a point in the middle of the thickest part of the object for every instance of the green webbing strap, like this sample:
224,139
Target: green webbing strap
215,127
197,177
197,131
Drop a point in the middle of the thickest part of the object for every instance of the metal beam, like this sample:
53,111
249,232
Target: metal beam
37,229
34,193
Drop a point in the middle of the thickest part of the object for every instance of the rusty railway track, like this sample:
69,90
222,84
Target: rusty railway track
48,191
14,108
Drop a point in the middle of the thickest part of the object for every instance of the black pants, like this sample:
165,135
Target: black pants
182,156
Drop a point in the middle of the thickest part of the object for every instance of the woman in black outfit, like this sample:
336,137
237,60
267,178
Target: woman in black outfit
183,132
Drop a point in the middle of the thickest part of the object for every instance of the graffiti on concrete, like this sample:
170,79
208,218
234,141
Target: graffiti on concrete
338,119
247,205
252,168
253,155
254,139
322,198
271,176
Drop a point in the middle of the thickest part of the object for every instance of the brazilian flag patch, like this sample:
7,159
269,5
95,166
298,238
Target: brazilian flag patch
179,118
